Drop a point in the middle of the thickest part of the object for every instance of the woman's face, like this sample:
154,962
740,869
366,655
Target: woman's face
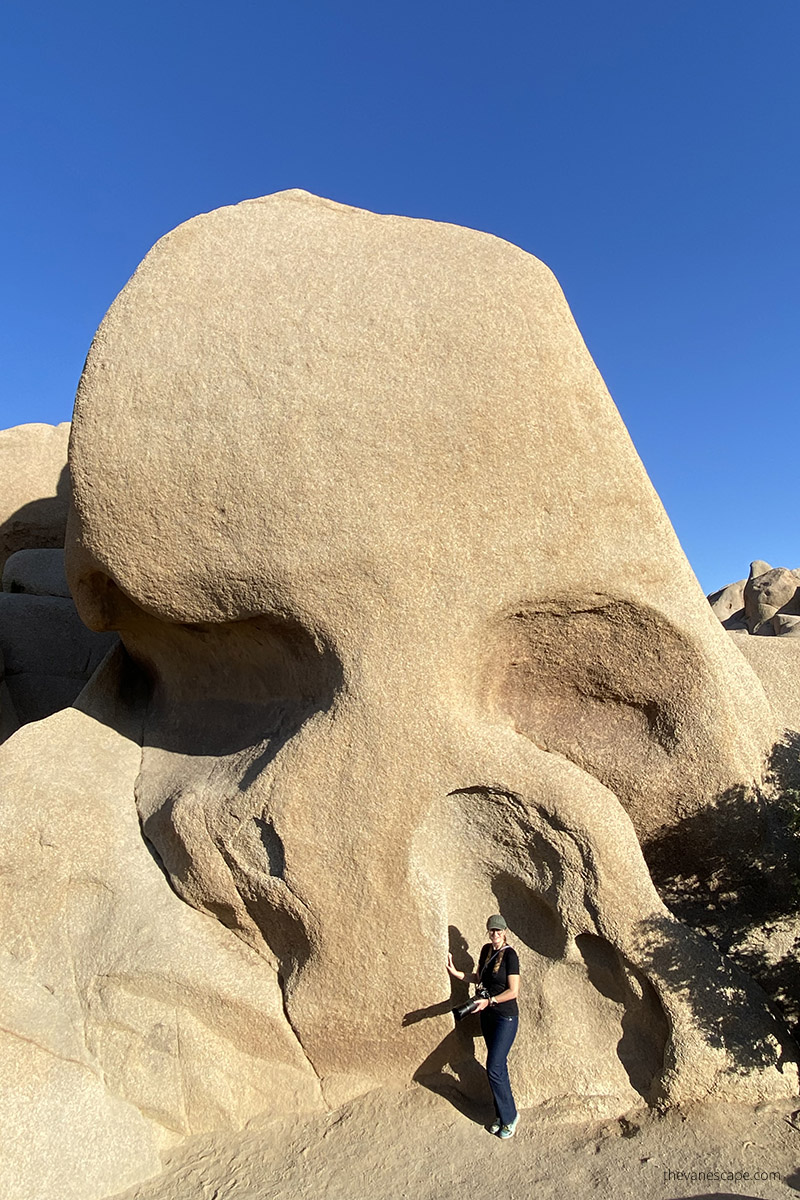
497,937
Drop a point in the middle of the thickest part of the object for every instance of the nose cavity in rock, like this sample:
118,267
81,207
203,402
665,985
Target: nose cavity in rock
256,858
583,997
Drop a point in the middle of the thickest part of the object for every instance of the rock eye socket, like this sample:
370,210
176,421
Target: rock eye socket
609,684
221,689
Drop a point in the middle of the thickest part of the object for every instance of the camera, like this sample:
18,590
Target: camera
463,1010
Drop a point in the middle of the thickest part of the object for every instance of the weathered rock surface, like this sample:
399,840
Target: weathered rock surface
777,665
129,1019
766,594
411,1143
34,492
368,428
410,639
728,605
786,625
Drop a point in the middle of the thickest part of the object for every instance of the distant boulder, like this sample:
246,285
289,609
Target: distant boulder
767,603
47,654
34,487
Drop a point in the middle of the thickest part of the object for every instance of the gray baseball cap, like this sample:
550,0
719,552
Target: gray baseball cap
496,922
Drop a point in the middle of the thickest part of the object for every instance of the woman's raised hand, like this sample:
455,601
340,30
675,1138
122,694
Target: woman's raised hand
451,967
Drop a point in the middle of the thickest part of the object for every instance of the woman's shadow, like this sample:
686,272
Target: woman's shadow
452,1069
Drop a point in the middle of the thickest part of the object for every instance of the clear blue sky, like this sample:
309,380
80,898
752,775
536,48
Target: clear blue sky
647,151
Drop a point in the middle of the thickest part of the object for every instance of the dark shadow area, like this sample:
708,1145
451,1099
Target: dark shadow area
49,654
451,1070
534,921
645,1028
273,846
793,1181
433,1010
38,525
238,687
732,871
717,993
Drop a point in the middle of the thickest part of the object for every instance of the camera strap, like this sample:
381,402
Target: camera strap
490,960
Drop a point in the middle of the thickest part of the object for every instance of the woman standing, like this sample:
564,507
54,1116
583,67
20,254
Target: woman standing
498,973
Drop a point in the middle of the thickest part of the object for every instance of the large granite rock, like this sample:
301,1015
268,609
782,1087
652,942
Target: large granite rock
129,1019
768,593
34,487
728,605
410,639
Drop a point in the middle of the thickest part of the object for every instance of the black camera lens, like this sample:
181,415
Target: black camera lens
463,1010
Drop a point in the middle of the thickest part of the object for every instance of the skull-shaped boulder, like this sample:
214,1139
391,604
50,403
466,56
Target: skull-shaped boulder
420,642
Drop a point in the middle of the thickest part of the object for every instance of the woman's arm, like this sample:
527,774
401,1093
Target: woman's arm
470,976
511,992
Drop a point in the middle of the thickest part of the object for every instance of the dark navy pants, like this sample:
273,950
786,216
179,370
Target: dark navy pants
499,1033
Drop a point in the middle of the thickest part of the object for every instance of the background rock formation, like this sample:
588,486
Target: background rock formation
744,890
406,638
34,487
47,654
766,603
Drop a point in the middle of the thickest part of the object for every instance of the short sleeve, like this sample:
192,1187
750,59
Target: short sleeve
512,961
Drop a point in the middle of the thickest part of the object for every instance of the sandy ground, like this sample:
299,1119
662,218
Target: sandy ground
415,1144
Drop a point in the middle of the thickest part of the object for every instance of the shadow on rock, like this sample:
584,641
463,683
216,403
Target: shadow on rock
732,871
717,992
451,1070
38,524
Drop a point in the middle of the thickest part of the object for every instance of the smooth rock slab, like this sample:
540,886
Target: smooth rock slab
130,1019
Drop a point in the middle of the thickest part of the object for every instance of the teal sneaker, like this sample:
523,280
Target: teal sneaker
496,1125
507,1131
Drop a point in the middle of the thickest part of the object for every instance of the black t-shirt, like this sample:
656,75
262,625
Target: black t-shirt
496,981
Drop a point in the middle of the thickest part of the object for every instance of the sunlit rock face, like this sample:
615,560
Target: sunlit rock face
408,638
